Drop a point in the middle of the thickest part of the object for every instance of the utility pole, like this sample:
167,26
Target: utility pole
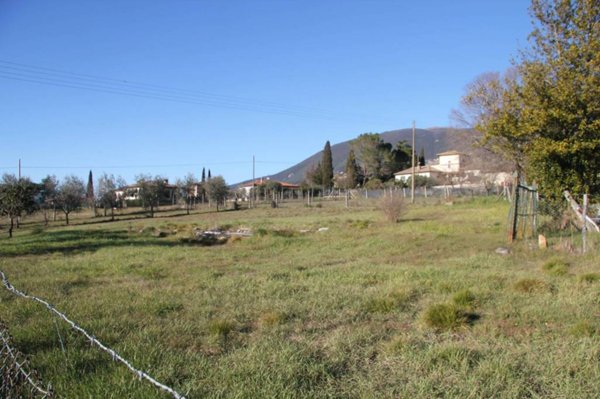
412,185
252,199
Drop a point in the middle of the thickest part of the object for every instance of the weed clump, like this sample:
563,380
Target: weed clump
444,317
583,329
392,301
530,286
272,319
589,278
556,267
464,298
220,327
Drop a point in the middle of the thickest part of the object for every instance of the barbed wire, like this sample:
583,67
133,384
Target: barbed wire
15,373
115,356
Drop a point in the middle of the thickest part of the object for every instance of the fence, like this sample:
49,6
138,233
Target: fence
18,380
115,356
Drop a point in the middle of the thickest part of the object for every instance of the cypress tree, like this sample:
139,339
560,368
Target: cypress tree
352,171
203,175
209,174
327,167
90,193
422,157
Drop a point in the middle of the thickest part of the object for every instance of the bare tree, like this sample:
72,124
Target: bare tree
70,195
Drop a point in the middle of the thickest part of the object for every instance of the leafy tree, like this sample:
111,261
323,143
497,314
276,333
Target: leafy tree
314,176
217,190
367,149
327,167
545,115
107,197
16,198
352,171
151,191
70,195
187,190
561,92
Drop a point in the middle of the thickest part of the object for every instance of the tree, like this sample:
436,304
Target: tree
187,190
107,197
203,175
314,175
493,106
16,198
367,149
422,157
217,190
70,195
151,191
352,171
91,200
545,115
561,92
327,167
209,176
47,197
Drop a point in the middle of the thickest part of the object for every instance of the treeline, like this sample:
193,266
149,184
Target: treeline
21,196
371,163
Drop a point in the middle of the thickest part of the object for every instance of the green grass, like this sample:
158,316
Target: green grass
421,308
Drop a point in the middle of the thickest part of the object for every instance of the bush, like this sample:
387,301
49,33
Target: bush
392,208
443,317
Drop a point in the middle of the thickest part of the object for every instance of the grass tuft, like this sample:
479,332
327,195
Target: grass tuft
445,317
464,298
530,286
221,327
589,278
556,267
583,329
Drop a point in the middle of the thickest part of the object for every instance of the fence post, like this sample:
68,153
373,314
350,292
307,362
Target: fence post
515,215
584,228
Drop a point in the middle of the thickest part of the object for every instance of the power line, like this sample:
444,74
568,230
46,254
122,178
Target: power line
65,79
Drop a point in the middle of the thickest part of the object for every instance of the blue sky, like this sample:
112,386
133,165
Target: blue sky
217,82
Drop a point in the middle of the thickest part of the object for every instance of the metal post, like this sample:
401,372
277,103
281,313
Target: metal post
412,188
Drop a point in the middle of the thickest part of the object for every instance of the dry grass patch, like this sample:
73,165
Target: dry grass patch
530,286
556,267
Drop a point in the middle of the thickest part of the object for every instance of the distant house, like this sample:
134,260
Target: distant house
425,171
130,194
287,189
449,162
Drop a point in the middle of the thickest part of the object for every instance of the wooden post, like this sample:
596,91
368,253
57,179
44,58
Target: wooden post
515,215
412,190
584,228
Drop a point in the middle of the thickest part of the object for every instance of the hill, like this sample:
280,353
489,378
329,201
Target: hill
432,140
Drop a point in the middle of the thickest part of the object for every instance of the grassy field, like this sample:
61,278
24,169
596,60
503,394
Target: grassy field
418,309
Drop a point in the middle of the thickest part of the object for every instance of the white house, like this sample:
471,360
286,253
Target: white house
448,162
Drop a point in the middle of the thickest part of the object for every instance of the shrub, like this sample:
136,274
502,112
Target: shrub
392,207
556,267
443,317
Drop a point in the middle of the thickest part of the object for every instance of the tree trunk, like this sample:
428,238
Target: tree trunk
112,213
67,217
151,211
10,228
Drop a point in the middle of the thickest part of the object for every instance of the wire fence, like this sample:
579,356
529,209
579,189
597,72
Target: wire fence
17,378
93,341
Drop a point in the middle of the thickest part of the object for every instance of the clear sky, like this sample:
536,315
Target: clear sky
165,87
